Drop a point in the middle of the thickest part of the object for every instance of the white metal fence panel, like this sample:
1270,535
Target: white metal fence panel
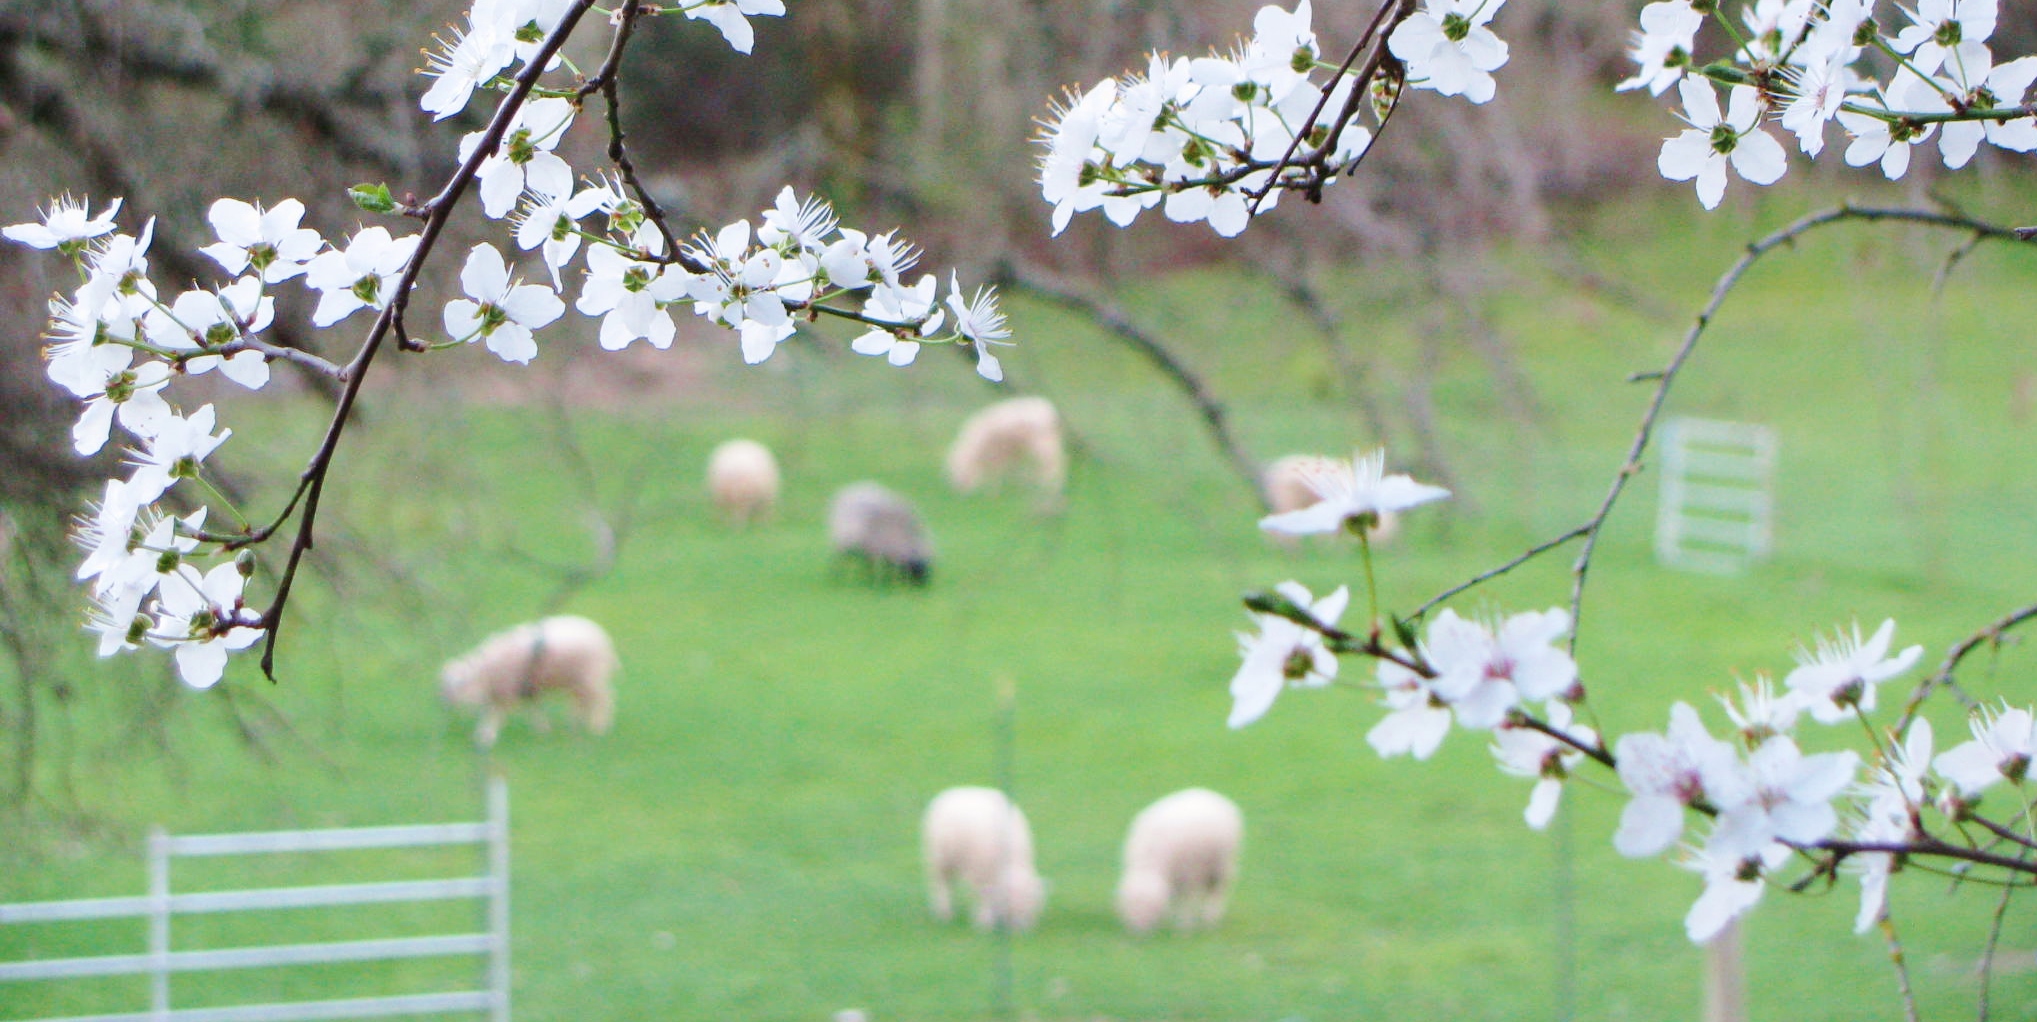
160,906
1717,509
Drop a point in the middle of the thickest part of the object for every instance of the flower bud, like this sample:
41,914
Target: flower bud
244,563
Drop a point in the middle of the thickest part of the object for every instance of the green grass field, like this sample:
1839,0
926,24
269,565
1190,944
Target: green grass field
744,845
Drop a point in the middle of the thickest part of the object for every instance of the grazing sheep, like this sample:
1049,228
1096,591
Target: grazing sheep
880,528
1181,854
1024,432
571,654
1286,487
742,477
977,838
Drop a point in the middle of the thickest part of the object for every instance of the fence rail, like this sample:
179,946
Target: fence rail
160,907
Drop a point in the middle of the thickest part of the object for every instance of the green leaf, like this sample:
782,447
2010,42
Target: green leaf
374,198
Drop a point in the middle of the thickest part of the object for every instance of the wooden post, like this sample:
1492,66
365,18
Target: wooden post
1725,977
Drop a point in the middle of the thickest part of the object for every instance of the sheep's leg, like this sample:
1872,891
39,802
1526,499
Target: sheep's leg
489,728
987,916
939,897
1214,903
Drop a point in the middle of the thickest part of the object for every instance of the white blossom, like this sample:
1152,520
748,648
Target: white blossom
1447,47
730,17
525,158
359,277
209,320
1284,653
180,446
1666,772
1526,752
466,62
66,223
1843,672
1352,495
1939,26
2004,741
1711,142
199,617
1733,884
268,240
630,294
1662,47
498,310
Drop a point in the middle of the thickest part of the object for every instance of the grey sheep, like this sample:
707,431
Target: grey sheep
878,527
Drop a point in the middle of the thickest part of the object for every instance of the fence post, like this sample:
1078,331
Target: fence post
498,896
159,924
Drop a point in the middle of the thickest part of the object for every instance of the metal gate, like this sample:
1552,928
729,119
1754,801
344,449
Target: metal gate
161,905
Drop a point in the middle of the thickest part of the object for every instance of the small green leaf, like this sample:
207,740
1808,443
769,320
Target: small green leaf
374,198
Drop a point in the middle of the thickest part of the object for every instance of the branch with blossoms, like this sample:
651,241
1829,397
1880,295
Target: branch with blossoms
118,344
1767,804
1806,65
1488,676
1218,138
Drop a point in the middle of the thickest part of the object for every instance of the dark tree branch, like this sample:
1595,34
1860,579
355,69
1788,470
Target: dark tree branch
1111,318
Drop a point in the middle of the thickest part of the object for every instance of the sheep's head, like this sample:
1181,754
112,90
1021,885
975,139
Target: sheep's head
1025,894
1142,900
917,571
459,685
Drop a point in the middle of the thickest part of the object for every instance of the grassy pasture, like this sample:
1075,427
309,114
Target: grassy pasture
744,844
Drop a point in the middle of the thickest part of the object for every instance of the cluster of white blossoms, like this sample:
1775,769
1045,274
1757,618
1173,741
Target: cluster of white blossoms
117,343
1208,136
1803,65
1767,802
1203,138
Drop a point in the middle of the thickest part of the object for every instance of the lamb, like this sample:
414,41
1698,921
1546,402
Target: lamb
1001,439
1181,855
1287,489
978,838
570,654
742,477
872,524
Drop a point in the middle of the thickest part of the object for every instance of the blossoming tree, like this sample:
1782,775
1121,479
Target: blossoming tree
1215,139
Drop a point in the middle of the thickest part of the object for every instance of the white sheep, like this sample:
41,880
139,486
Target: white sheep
878,527
978,838
1287,489
1181,854
742,477
568,654
999,441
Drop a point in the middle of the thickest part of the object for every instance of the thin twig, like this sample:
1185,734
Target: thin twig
1665,379
1900,963
1533,552
1987,954
604,81
1990,635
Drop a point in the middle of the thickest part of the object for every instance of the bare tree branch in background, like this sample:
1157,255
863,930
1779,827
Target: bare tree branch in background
1191,385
